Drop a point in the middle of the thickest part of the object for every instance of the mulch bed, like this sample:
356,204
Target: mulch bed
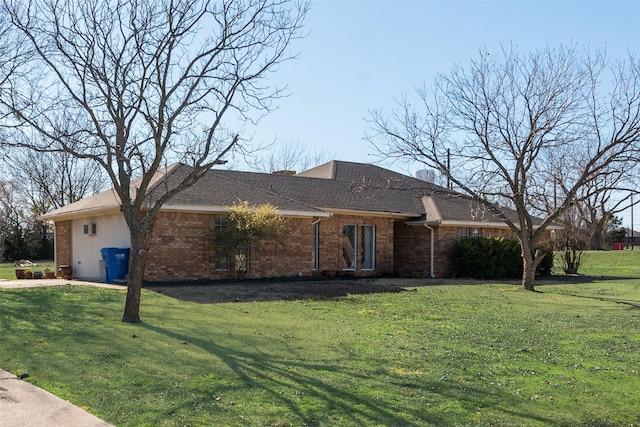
248,291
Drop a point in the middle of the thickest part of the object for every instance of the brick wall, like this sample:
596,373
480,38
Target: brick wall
63,243
331,262
413,246
182,248
411,250
446,238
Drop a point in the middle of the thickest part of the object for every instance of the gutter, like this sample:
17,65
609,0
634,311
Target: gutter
431,255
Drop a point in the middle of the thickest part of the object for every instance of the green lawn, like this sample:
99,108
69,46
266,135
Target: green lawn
612,263
435,355
8,270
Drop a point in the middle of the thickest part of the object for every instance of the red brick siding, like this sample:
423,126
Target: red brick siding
413,243
411,250
63,243
331,244
182,248
447,237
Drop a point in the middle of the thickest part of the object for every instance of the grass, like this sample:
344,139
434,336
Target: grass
434,355
8,270
611,263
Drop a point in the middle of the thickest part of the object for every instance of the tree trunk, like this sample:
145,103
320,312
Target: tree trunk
137,263
597,238
571,260
528,275
530,260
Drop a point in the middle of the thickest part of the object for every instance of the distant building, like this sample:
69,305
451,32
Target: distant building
631,238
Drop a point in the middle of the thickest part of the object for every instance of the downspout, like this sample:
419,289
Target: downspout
431,256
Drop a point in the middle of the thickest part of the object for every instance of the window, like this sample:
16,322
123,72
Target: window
470,232
368,247
315,245
221,258
349,247
90,229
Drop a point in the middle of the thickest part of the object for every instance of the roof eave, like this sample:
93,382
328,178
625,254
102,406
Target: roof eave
488,224
358,212
82,213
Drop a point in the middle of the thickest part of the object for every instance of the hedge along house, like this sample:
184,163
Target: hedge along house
342,218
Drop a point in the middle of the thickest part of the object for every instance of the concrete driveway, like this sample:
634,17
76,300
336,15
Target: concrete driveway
36,283
25,405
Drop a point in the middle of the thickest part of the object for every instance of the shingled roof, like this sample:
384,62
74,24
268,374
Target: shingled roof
336,186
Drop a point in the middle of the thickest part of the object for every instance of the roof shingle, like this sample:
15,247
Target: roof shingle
337,185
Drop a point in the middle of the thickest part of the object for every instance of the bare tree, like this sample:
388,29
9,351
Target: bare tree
16,222
612,195
572,240
12,53
586,221
9,216
52,180
290,156
516,126
136,85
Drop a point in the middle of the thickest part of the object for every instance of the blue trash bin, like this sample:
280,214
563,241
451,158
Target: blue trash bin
116,262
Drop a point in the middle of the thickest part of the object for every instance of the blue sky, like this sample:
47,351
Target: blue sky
363,55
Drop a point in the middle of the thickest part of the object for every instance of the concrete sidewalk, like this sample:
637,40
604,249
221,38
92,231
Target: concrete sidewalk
24,405
36,283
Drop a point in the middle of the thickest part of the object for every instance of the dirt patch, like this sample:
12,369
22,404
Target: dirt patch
288,290
210,293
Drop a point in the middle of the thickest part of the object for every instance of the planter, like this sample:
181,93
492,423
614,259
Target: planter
50,274
65,271
28,274
37,274
19,273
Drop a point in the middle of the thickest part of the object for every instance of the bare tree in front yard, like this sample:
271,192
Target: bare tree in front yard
522,131
134,86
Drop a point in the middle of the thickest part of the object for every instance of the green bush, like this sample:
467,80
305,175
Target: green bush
546,265
492,258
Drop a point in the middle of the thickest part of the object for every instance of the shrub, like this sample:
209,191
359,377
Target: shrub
492,258
546,265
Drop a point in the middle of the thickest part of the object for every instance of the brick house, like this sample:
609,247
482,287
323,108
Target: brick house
342,218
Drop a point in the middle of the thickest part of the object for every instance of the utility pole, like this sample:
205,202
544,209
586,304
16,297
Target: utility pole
449,186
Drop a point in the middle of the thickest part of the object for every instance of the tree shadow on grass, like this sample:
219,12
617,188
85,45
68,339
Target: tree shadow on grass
292,290
580,279
321,383
595,280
